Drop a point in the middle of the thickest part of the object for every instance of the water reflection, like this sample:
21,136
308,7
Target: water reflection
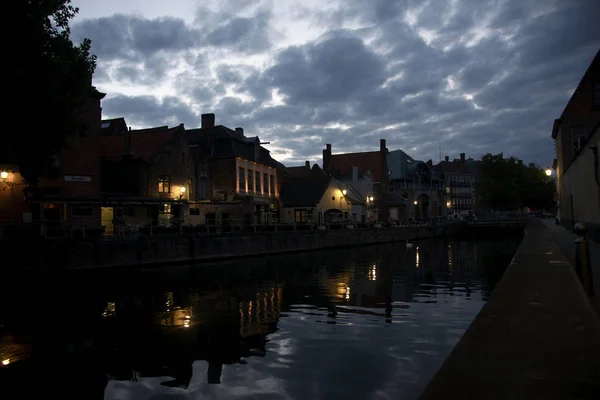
374,321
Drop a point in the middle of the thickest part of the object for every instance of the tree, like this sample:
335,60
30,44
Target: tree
48,84
506,183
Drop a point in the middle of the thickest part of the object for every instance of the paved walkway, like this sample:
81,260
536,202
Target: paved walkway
565,239
537,337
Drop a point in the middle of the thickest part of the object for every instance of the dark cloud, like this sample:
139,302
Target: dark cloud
127,37
337,68
147,111
244,35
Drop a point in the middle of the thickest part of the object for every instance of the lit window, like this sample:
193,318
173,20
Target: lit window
300,216
164,184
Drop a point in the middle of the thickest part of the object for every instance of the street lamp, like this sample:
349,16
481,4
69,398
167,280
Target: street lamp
344,192
548,172
448,204
371,198
181,191
4,175
415,202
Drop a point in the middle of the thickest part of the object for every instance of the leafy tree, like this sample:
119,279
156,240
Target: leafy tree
506,183
48,84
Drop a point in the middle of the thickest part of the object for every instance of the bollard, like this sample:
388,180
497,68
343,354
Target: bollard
582,259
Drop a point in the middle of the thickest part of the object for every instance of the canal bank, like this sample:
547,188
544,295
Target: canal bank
171,249
535,338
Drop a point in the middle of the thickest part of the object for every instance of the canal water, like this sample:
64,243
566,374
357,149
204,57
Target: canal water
374,322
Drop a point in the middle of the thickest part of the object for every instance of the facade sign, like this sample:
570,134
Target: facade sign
76,178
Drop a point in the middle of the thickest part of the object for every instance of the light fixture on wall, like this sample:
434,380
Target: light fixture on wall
548,172
4,179
181,192
415,202
448,204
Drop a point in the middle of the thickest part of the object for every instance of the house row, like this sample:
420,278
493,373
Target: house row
116,178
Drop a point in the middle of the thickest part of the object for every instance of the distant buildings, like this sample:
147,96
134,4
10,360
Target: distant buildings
116,180
576,137
459,177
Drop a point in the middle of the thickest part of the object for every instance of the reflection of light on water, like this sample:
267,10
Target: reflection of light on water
110,309
417,257
347,292
6,362
449,256
169,301
373,272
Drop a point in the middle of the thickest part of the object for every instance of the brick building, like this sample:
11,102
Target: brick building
237,180
576,137
65,194
147,175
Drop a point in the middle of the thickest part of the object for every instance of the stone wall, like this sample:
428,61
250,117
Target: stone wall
146,250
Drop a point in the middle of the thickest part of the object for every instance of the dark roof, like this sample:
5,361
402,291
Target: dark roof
341,164
114,126
230,143
303,193
307,174
458,167
298,172
144,143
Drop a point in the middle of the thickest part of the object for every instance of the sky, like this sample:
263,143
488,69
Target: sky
431,77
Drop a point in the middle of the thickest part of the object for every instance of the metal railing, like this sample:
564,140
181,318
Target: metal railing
110,230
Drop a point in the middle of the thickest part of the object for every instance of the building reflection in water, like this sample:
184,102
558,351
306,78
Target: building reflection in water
224,314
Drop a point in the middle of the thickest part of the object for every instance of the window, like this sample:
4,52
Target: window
194,211
597,95
242,178
577,137
257,174
265,183
82,211
272,184
164,184
250,180
299,216
166,208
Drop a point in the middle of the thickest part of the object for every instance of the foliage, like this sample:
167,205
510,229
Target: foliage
506,183
48,83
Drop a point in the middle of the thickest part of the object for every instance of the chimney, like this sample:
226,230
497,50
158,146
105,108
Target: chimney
447,158
430,162
208,121
382,146
462,158
355,174
307,164
239,131
327,158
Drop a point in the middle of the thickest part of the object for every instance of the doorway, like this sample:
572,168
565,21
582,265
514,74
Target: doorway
107,216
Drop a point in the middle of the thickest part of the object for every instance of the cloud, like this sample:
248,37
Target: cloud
468,75
245,35
127,37
148,111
